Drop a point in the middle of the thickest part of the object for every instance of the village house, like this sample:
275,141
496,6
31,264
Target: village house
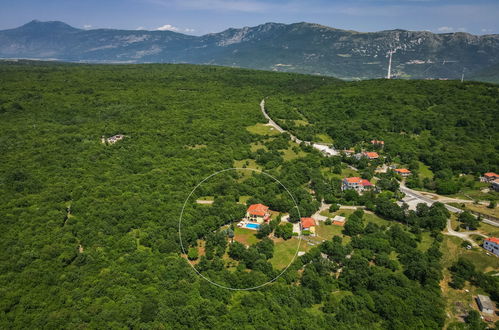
258,213
371,155
489,177
491,244
113,139
378,143
339,220
307,224
486,305
403,172
368,155
356,183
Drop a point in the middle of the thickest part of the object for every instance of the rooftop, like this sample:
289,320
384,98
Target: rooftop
493,240
307,222
258,209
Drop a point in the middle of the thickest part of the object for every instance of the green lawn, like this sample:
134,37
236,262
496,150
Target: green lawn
458,301
424,171
324,138
489,229
426,241
284,251
245,236
289,154
246,163
262,129
300,122
257,145
452,250
483,209
243,199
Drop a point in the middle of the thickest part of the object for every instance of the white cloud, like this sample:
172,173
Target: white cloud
445,29
87,26
189,30
140,28
167,27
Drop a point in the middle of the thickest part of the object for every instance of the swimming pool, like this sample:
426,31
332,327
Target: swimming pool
252,225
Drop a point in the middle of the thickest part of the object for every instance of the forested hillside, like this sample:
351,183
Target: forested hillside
450,126
89,230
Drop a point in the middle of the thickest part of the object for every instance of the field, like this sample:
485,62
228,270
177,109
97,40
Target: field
245,236
459,301
285,251
262,129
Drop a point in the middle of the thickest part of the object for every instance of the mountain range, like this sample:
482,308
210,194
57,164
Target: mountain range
299,47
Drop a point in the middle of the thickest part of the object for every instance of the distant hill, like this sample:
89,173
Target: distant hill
300,47
489,74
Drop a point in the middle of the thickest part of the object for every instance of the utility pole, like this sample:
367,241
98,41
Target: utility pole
389,74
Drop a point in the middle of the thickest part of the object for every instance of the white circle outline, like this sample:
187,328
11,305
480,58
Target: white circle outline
182,213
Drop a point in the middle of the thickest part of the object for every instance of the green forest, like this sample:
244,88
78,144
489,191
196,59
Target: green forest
89,230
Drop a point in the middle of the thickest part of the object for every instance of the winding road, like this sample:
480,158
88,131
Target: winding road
328,151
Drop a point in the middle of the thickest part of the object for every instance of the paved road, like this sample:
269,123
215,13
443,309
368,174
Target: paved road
463,235
322,148
429,202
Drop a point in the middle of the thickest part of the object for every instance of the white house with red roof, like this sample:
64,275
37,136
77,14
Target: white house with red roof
402,171
258,213
378,142
307,224
489,177
491,244
355,183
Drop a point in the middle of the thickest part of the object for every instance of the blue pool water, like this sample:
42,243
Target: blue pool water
252,225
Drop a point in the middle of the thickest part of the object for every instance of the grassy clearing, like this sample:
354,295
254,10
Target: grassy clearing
257,145
426,241
369,217
476,193
300,122
285,251
459,301
245,236
327,232
246,163
289,154
483,209
489,230
324,138
424,171
262,129
243,199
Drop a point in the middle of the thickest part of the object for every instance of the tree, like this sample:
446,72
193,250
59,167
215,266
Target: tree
284,231
468,220
263,231
266,247
236,251
192,254
334,207
474,321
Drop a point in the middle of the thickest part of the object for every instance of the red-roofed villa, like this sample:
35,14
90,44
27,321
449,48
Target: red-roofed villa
258,213
403,171
308,224
356,183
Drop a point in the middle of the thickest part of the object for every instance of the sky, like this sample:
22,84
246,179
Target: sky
199,17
